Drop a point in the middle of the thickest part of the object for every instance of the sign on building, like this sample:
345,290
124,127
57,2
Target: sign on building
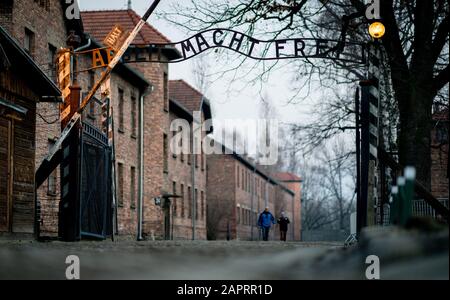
64,81
115,38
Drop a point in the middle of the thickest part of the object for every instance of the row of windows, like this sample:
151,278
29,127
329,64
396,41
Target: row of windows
133,101
120,186
200,160
133,113
246,216
249,182
179,206
182,209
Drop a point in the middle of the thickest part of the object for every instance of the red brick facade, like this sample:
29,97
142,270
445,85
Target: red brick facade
22,86
238,192
293,183
41,30
439,156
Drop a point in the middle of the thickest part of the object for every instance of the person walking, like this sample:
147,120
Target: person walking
265,221
283,221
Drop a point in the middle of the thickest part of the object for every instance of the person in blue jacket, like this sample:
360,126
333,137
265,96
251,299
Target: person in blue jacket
265,221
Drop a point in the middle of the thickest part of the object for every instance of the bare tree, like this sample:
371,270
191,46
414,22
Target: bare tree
416,47
328,187
201,70
340,180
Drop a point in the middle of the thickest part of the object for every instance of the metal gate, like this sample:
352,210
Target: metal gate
95,182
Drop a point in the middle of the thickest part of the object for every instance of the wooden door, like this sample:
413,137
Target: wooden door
5,174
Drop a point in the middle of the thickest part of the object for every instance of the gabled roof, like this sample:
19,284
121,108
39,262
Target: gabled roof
100,23
187,95
184,94
18,61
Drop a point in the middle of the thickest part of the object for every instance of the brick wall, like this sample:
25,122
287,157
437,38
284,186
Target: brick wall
23,154
439,157
155,126
296,225
235,188
221,195
46,24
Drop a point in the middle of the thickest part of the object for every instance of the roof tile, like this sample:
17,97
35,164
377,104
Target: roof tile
100,23
185,94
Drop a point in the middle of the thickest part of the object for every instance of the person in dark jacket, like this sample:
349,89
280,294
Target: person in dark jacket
283,221
265,221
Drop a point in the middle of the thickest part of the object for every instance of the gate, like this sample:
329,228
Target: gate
95,182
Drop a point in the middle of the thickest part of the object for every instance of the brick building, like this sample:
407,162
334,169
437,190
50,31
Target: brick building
154,176
184,101
293,182
22,86
238,191
439,156
41,28
127,89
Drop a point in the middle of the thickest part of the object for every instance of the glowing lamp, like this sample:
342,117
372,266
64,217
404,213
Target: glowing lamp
377,30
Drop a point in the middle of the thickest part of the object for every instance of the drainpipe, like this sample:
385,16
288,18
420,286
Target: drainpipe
194,206
145,93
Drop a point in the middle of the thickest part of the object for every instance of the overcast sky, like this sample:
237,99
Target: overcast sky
239,105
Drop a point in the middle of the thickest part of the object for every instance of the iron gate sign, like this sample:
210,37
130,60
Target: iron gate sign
308,48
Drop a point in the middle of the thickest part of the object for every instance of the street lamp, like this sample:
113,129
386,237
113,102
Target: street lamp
377,30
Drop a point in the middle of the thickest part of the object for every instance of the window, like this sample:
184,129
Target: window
121,112
174,134
191,150
120,183
166,91
91,85
51,187
243,179
239,215
174,192
189,202
196,204
182,151
28,43
238,177
52,62
133,116
166,153
133,188
246,181
203,204
44,4
200,157
182,200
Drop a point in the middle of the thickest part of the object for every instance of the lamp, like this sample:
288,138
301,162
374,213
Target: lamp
377,30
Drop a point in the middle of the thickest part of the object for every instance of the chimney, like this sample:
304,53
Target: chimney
129,4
